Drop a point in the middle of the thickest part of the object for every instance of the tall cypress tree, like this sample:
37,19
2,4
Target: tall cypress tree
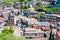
51,35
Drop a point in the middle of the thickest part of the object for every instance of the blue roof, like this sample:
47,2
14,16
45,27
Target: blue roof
44,24
54,0
51,15
57,5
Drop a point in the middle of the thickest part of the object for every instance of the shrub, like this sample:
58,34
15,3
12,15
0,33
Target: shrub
11,37
23,7
11,29
7,29
8,2
7,34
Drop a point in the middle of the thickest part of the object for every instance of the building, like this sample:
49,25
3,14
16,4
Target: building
45,3
58,19
49,17
10,21
32,32
21,21
2,21
2,2
44,24
53,2
57,35
58,24
32,22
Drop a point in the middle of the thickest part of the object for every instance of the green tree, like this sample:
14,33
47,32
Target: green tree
9,36
29,0
8,2
21,0
51,35
11,29
38,16
23,7
7,29
25,0
42,7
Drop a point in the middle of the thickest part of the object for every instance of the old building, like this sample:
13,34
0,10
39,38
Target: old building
10,21
32,32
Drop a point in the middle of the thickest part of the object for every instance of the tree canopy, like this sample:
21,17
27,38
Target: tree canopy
7,34
52,9
23,6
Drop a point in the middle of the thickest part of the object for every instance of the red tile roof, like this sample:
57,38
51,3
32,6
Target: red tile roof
58,33
46,28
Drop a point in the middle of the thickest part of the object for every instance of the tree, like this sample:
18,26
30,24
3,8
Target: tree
50,38
51,35
51,9
7,29
42,7
21,0
8,2
9,36
25,0
23,7
38,16
29,0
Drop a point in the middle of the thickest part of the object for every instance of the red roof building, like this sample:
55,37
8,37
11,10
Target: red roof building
46,28
58,35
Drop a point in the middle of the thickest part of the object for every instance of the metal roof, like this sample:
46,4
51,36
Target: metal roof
44,23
